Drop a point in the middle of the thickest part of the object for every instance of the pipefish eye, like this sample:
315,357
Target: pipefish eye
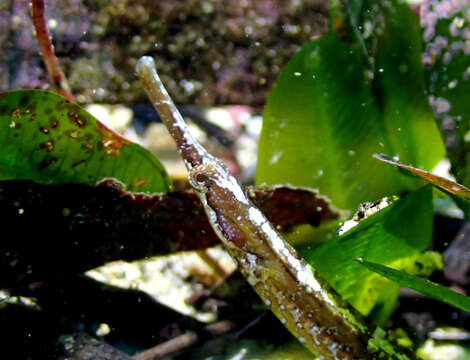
201,177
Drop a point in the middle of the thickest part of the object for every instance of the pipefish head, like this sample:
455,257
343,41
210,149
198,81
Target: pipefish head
203,176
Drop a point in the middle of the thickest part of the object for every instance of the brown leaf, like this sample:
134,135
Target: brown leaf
70,228
443,183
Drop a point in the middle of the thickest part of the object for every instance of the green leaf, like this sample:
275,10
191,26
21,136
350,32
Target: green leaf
458,192
463,204
47,139
445,184
325,116
321,127
401,230
346,22
424,286
400,86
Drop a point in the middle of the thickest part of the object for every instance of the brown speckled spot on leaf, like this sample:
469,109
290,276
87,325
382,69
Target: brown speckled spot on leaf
47,145
76,119
47,162
74,134
139,182
61,105
15,114
77,163
44,130
112,142
87,147
54,123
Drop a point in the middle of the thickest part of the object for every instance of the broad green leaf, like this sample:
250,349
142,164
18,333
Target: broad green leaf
321,127
400,87
446,57
388,39
47,139
424,286
328,110
401,230
346,21
386,301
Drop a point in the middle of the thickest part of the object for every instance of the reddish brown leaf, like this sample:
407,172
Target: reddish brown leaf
77,227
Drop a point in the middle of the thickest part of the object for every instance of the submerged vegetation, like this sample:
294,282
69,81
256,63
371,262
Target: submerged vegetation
384,88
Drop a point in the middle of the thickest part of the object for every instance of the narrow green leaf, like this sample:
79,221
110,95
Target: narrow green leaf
424,286
458,192
50,140
439,181
401,230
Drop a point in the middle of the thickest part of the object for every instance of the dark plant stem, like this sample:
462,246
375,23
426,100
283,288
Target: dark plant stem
184,341
46,48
